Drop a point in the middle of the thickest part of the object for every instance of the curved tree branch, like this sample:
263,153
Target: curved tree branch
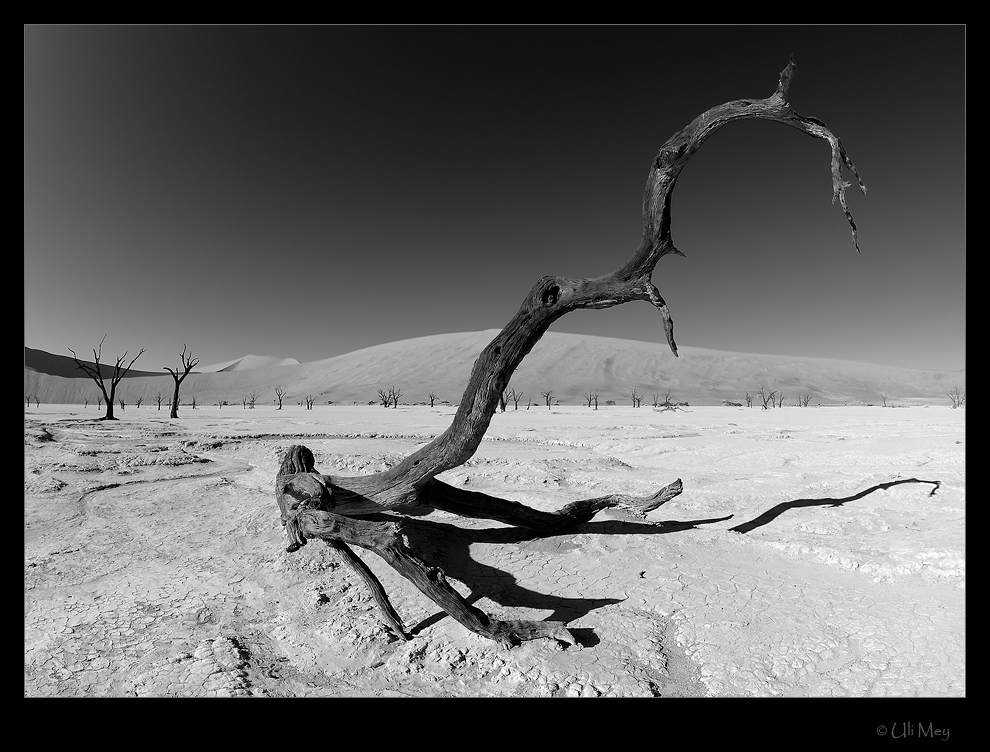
552,297
323,506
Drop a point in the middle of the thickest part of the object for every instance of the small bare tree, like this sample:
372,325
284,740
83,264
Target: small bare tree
252,398
433,399
957,398
768,397
279,394
515,397
636,398
548,397
85,401
384,398
121,401
159,396
592,399
804,399
96,374
188,363
138,401
310,399
780,399
749,400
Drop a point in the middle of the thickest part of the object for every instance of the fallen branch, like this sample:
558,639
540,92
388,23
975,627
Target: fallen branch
325,506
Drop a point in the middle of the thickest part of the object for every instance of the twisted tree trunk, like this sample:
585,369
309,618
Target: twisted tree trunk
324,506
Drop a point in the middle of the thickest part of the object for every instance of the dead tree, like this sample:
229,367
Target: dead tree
636,398
138,401
384,398
310,399
749,400
804,399
394,395
95,372
767,397
592,399
433,399
515,397
279,394
251,399
333,507
188,363
121,401
547,397
957,398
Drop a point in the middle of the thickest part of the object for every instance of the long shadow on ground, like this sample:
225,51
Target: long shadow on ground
448,546
771,514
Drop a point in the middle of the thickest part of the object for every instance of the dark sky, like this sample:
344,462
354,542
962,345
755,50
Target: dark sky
300,191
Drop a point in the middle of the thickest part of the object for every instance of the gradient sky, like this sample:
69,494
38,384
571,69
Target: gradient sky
307,191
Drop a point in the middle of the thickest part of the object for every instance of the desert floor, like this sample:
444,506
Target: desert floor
807,555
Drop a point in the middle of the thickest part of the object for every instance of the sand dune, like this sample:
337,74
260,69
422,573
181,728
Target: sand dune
247,363
570,365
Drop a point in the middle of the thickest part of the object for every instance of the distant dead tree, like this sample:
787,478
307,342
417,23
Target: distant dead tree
768,397
28,398
384,398
279,394
592,399
121,401
37,401
804,399
346,511
96,374
192,402
138,401
85,401
394,394
433,399
159,396
188,363
515,397
636,398
957,398
310,399
548,397
780,399
749,400
252,398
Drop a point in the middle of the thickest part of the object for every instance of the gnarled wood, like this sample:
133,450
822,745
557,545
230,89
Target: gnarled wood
324,506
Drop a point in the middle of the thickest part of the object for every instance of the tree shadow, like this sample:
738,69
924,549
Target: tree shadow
448,546
771,514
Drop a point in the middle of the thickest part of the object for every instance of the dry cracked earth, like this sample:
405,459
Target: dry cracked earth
155,564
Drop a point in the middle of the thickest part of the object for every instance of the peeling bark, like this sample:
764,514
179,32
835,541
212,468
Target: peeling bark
326,507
